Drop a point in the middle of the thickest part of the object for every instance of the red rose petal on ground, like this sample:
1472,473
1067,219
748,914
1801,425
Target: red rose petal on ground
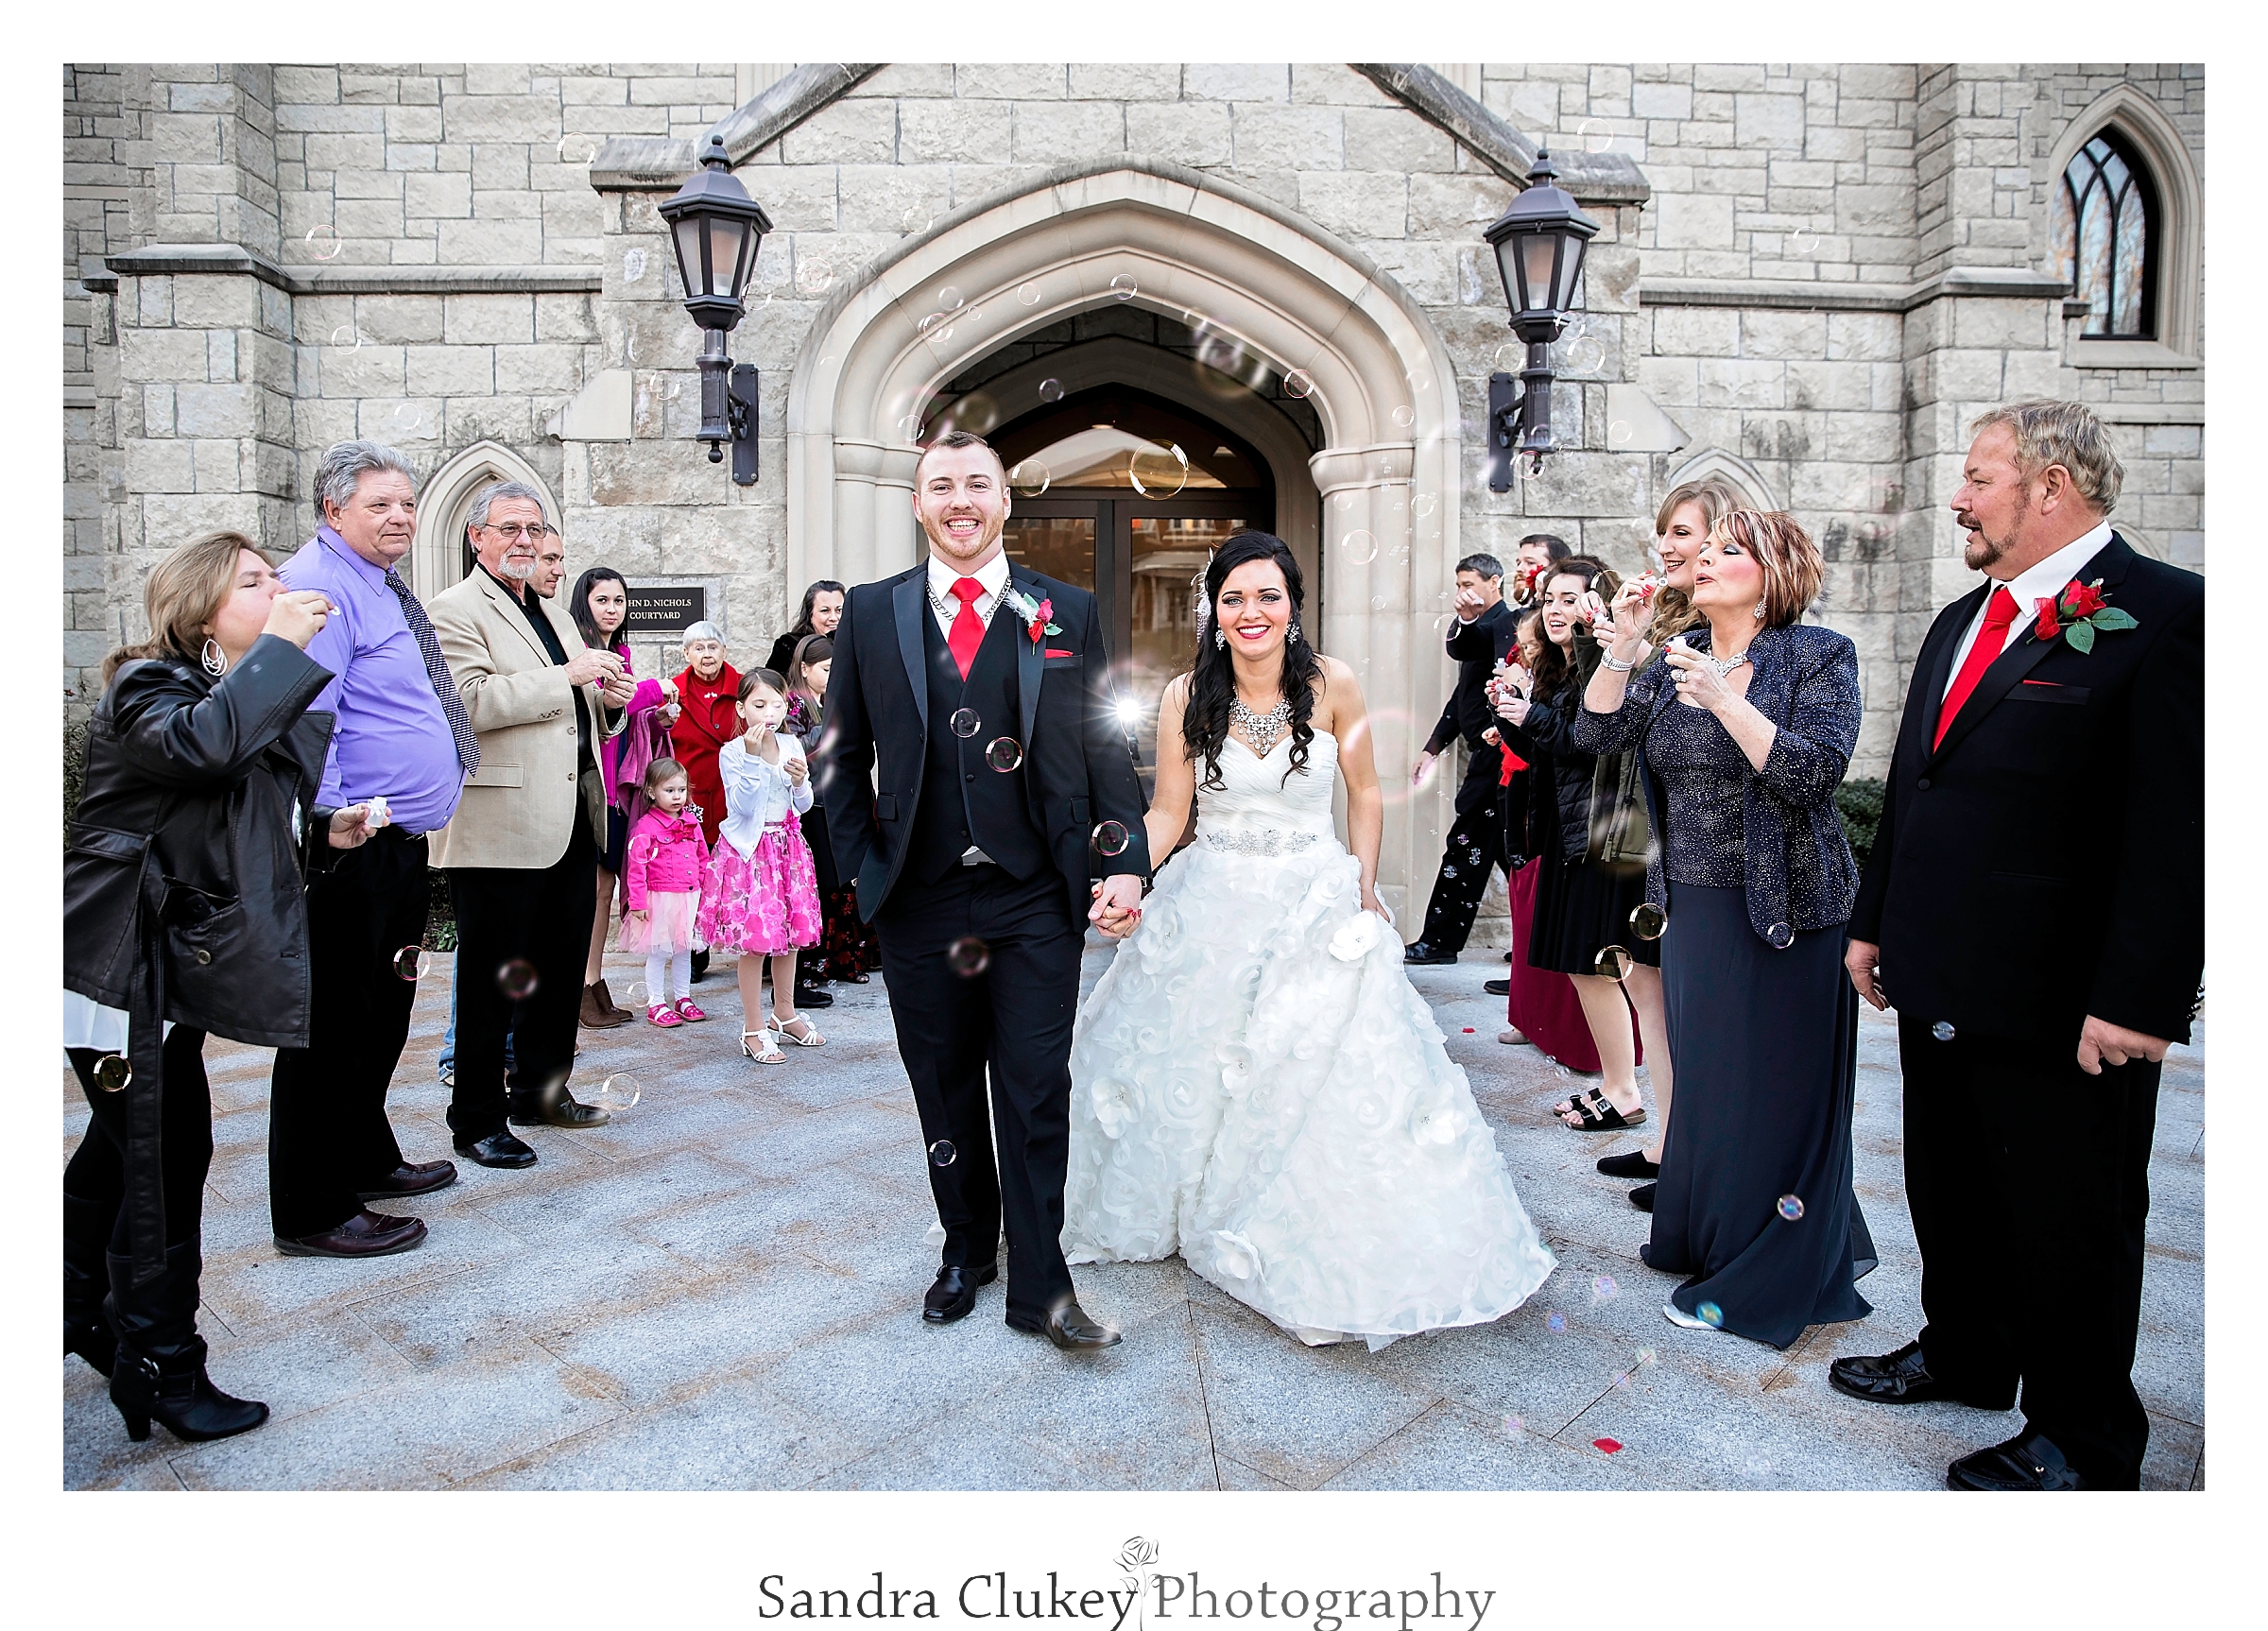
1468,1030
1608,1445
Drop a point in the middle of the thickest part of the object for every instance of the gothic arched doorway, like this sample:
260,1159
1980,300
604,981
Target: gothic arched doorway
1127,494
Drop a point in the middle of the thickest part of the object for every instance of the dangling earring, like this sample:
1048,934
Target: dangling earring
1292,633
1759,609
214,659
1220,635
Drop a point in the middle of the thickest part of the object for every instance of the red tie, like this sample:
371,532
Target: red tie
968,632
1999,613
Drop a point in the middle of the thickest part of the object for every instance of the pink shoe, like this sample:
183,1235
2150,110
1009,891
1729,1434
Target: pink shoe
687,1012
663,1014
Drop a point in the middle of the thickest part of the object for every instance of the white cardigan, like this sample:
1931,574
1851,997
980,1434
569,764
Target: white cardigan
758,795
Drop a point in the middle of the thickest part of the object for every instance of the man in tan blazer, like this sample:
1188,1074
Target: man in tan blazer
521,851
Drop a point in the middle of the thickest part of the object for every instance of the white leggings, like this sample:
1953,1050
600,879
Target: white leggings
665,972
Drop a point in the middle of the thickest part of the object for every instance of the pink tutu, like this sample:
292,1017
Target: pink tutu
763,903
667,927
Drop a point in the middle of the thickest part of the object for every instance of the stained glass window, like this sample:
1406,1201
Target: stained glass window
2106,212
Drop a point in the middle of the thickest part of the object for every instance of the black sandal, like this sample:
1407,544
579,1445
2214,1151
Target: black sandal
1598,1112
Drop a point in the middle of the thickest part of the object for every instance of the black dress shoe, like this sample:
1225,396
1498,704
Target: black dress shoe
2028,1460
365,1234
498,1150
1629,1165
1902,1376
415,1179
1642,1197
564,1112
955,1294
1497,988
814,997
1067,1326
1418,952
1508,956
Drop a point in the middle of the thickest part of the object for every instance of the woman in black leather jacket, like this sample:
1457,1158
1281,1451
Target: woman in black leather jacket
183,914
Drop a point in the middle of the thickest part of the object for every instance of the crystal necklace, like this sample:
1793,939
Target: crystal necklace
1727,666
1261,730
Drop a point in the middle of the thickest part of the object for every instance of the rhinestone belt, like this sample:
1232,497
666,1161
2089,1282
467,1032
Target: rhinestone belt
1258,840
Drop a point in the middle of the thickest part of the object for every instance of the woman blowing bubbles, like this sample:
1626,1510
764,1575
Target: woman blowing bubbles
1745,728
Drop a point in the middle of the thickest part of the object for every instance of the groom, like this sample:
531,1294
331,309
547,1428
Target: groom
984,692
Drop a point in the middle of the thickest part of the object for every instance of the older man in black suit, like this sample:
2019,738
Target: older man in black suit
2034,907
1475,846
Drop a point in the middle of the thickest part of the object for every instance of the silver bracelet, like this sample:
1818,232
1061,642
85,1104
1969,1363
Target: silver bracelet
1607,660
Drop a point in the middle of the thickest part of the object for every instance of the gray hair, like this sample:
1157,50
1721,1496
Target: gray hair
2051,432
702,630
500,492
344,466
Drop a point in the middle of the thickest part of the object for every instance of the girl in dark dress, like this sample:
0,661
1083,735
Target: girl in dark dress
1743,755
1582,925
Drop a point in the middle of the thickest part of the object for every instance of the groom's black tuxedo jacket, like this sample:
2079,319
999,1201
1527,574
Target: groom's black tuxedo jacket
880,713
2047,860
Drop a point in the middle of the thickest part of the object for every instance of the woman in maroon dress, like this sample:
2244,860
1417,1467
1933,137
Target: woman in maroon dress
708,717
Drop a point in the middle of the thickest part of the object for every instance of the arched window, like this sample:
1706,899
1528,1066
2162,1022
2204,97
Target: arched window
2106,225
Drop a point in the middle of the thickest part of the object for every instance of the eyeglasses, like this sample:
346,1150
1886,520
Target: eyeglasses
512,532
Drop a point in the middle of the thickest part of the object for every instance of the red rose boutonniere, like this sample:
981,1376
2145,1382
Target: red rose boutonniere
1035,615
2077,613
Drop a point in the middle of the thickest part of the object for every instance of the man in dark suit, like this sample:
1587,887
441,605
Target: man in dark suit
2035,907
982,692
1476,840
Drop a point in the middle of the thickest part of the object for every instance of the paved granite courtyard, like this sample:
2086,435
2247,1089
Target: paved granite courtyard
721,1291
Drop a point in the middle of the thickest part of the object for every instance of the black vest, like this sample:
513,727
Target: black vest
964,800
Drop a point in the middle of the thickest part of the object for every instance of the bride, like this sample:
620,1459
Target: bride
1255,1084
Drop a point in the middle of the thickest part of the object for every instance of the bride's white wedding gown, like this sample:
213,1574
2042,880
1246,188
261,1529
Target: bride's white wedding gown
1257,1085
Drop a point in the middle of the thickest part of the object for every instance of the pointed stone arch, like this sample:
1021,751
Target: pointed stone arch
1384,516
436,556
2127,109
1732,469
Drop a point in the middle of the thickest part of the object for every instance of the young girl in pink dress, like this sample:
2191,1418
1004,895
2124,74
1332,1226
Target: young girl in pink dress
661,890
760,896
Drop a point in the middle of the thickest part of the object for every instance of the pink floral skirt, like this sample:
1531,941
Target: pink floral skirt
763,903
667,926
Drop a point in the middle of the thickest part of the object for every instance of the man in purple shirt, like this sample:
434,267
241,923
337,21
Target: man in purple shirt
403,735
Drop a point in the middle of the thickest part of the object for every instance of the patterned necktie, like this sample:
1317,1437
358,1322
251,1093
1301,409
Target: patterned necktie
1999,613
437,670
968,632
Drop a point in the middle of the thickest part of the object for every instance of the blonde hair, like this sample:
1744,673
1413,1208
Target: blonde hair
2051,432
184,593
1674,612
1791,562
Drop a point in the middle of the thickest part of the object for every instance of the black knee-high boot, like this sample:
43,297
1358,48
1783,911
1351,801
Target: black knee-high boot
86,1277
159,1372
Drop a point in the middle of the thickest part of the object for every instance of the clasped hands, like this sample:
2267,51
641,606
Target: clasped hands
592,666
1117,909
2099,1041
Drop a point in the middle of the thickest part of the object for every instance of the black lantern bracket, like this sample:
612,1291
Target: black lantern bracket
716,230
1539,244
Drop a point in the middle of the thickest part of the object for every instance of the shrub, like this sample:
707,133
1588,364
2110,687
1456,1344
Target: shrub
1859,802
75,770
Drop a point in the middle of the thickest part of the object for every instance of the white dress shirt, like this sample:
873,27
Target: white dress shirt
757,794
2028,588
993,574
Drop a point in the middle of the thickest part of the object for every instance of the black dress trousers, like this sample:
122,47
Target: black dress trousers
1475,845
2029,1184
328,1137
95,1179
508,916
1013,1019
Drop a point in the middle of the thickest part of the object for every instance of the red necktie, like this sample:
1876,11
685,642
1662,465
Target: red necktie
1999,613
968,632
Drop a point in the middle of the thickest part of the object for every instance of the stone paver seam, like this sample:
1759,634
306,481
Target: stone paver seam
1196,1337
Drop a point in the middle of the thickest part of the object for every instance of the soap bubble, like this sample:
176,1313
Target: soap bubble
633,265
1030,479
1511,358
517,979
577,148
617,1094
965,723
1646,1356
1377,602
1618,434
814,278
1613,963
1027,293
915,219
930,323
1515,1426
1111,838
343,334
1790,1208
950,297
1595,136
942,1154
1603,1289
1359,547
1004,753
1449,871
638,995
1159,472
413,962
1555,1321
1647,920
1804,242
969,956
1424,505
1405,416
1298,383
113,1073
1711,1315
1123,286
324,243
1051,390
1942,1030
1781,936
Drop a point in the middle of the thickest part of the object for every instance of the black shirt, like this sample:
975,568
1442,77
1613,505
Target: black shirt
550,637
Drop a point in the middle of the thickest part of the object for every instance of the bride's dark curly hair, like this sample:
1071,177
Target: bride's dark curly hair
1213,673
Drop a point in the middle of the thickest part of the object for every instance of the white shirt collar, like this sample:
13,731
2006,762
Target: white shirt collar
2048,577
993,574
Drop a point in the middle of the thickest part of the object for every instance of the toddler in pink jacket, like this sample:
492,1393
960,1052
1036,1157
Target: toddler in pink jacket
662,889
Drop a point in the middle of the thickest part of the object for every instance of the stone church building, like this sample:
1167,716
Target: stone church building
1181,298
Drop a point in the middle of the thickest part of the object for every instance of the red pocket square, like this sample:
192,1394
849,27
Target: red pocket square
2049,684
1052,652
